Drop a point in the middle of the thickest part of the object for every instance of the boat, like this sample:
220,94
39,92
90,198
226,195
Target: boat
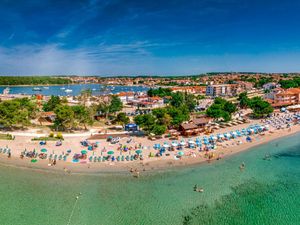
94,89
6,91
68,90
62,88
46,88
36,89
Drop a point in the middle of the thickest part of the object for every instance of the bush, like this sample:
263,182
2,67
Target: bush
59,136
51,134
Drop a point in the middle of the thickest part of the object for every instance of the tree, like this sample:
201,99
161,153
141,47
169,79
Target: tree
115,104
85,95
161,92
146,121
243,99
260,107
230,107
159,129
82,115
52,103
190,101
122,118
64,117
178,115
177,99
16,112
221,109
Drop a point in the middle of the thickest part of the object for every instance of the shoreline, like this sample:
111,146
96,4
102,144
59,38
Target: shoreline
146,166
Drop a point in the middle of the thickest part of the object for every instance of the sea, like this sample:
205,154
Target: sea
97,89
265,192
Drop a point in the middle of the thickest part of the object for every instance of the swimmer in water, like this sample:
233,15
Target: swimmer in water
242,166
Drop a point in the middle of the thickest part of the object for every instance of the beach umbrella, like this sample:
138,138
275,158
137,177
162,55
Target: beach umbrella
69,151
110,152
138,151
166,145
43,150
182,143
181,153
34,160
174,144
191,142
227,135
156,146
83,151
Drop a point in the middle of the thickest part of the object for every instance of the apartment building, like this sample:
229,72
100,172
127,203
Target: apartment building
279,97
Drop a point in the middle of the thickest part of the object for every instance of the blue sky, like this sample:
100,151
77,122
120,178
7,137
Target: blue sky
136,37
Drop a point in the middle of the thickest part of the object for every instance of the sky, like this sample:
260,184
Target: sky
148,37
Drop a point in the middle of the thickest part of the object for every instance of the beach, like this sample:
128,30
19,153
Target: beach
148,164
263,193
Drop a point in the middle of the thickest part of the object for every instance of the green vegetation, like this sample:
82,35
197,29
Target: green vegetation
17,112
52,103
111,106
116,104
178,99
262,81
244,101
221,109
122,119
83,115
162,118
161,92
45,139
293,83
32,80
6,137
260,107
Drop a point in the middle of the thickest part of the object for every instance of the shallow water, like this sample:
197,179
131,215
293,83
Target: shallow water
97,89
265,192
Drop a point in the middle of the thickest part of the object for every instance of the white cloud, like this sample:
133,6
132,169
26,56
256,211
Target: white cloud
131,59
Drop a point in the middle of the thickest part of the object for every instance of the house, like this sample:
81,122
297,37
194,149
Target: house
270,85
46,118
195,126
202,122
219,90
126,97
279,97
187,129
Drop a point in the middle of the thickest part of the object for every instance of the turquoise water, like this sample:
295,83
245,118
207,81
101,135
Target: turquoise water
76,89
265,192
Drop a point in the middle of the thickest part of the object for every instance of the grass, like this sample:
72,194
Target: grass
6,137
45,139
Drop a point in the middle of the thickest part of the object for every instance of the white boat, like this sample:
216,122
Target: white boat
63,88
68,90
46,88
36,89
94,89
6,91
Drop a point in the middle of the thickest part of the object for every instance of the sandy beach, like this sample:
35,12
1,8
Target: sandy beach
191,157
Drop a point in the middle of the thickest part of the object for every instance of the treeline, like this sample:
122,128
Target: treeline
295,82
32,80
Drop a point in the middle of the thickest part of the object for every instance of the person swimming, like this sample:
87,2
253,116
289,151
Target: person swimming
242,166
